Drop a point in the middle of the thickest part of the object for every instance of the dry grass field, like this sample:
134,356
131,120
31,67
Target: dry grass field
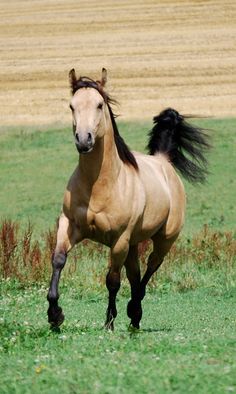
158,53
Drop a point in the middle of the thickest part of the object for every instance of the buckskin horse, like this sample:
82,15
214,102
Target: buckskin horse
121,198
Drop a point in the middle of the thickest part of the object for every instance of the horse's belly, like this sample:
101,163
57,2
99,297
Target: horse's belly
155,213
148,227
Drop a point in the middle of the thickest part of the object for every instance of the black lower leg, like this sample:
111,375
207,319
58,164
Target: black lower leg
153,264
113,285
55,315
134,307
144,283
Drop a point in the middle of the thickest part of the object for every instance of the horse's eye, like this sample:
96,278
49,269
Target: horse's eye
72,109
100,105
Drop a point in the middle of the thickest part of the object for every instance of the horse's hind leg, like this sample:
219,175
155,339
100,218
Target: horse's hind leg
161,246
67,236
134,308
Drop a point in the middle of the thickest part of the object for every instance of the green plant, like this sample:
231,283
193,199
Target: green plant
190,263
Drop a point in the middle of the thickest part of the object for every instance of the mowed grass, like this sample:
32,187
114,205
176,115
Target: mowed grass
187,341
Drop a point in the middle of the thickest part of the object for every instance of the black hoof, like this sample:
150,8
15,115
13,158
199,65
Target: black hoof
132,329
135,324
55,316
134,312
55,329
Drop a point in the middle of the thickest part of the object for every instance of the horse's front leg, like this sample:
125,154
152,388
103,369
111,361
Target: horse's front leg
67,236
118,255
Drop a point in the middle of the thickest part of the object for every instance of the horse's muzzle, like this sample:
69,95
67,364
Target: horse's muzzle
84,145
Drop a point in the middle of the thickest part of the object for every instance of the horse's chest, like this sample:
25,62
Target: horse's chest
98,222
96,226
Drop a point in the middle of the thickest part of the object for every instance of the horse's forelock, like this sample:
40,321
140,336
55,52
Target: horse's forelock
86,82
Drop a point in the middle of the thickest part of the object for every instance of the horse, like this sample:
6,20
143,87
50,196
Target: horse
120,198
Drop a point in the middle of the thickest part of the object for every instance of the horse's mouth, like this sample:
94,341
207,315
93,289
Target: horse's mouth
84,150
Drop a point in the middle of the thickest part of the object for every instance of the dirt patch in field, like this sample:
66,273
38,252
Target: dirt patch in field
158,54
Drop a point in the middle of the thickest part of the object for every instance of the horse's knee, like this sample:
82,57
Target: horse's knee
59,260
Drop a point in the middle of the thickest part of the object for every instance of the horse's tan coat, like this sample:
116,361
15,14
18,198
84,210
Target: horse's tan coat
109,201
120,199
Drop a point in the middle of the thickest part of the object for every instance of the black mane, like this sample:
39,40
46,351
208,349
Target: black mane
124,152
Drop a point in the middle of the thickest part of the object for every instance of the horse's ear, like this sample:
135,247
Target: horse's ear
72,79
104,77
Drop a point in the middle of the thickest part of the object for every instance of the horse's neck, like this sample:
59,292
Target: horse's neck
101,166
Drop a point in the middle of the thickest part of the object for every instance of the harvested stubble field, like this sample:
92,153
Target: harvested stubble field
165,53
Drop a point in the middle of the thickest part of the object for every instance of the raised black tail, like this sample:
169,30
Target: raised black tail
184,144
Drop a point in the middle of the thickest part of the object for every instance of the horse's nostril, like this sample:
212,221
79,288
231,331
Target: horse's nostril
89,137
77,137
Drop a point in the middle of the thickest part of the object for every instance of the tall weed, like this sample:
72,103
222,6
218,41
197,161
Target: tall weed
208,259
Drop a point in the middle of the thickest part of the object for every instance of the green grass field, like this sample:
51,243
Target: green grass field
186,345
35,167
187,341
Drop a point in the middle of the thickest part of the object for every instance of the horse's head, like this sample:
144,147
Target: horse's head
87,106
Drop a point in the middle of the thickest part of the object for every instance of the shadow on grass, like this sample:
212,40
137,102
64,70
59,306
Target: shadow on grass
98,330
164,329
